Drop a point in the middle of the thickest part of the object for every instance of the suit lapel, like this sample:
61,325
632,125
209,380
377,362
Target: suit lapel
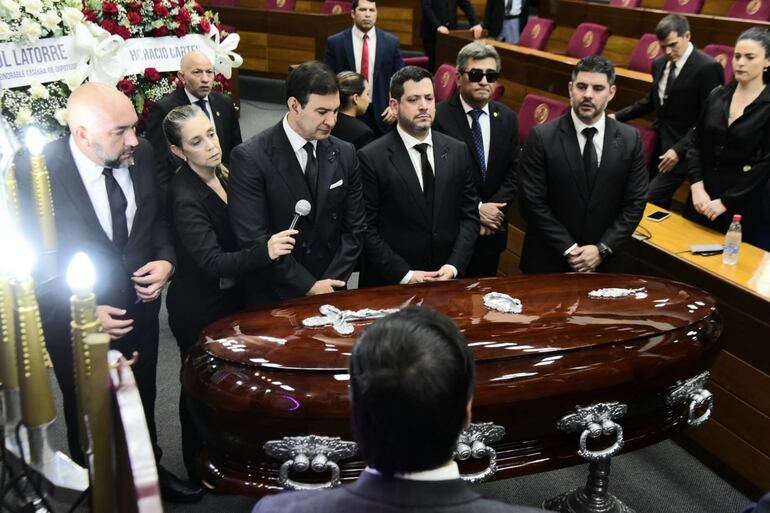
441,161
402,164
216,113
461,120
287,167
326,156
572,154
612,149
138,186
498,145
349,54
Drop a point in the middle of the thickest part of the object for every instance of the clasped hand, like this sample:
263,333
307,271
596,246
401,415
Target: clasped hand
584,259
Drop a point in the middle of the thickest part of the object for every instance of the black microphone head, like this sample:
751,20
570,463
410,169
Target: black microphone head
302,208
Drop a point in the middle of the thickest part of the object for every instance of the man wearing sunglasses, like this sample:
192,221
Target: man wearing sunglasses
491,132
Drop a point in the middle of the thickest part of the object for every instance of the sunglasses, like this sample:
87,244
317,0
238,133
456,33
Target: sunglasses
475,75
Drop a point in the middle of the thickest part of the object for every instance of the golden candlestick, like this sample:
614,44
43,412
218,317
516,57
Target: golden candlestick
41,190
9,375
12,195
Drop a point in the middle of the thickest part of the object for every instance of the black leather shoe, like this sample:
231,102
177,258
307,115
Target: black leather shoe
173,489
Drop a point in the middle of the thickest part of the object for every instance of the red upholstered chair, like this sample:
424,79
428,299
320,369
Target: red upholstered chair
629,4
649,140
645,51
536,110
498,91
445,82
750,10
724,56
537,32
336,7
421,61
281,5
588,39
683,6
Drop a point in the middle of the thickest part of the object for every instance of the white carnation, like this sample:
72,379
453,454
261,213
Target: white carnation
74,80
32,6
38,91
49,20
31,30
71,16
5,31
23,117
61,116
11,8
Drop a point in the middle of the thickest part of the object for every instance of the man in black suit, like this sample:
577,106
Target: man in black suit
682,79
582,181
422,217
490,130
197,74
506,19
441,16
105,197
298,159
345,52
411,389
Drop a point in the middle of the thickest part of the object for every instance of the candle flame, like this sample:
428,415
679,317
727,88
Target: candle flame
21,259
34,140
81,274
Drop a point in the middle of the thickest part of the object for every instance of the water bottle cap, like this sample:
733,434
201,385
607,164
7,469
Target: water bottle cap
737,218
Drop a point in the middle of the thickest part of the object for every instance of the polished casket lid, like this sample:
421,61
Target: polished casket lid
558,315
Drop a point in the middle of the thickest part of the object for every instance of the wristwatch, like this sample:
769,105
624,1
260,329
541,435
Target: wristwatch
604,251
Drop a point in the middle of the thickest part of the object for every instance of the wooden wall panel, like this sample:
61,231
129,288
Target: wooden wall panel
738,377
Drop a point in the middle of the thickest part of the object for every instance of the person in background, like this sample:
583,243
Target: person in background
411,389
206,285
440,16
506,19
729,159
354,100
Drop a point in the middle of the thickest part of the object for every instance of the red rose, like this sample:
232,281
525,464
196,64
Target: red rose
89,15
161,10
134,6
126,87
181,30
147,106
151,74
109,26
134,18
109,8
198,8
205,25
160,32
123,32
183,16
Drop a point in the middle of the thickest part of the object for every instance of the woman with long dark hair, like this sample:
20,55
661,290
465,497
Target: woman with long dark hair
354,100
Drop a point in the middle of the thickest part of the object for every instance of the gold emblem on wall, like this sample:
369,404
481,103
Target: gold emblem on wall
588,38
753,7
541,113
337,9
280,3
684,2
653,49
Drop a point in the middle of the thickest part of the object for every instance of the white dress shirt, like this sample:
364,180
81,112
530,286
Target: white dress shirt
209,110
678,64
416,158
297,143
94,182
446,472
358,47
485,126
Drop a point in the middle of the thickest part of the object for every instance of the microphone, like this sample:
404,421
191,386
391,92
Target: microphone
301,209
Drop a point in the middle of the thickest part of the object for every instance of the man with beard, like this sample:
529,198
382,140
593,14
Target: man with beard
422,215
105,197
582,181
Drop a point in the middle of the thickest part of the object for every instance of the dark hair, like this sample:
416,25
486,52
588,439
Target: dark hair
354,5
595,64
411,377
308,78
414,73
172,129
762,37
476,51
350,83
672,23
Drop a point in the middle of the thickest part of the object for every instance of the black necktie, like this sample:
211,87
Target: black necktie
669,81
311,169
428,180
202,105
590,160
118,205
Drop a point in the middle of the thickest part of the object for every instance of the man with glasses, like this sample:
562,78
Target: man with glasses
491,132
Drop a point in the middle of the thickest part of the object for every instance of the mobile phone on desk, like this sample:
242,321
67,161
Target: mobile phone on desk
706,249
658,216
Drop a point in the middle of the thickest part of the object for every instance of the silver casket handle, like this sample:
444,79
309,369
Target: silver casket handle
318,453
473,442
692,391
594,421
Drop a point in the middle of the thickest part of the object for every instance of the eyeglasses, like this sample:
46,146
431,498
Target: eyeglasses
475,75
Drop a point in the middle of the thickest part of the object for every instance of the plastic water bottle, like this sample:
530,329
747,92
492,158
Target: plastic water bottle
732,242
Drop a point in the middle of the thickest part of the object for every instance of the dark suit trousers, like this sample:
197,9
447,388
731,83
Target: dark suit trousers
430,51
486,256
143,339
664,185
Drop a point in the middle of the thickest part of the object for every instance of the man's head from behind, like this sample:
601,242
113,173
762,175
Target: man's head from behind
197,74
364,14
411,383
673,33
313,100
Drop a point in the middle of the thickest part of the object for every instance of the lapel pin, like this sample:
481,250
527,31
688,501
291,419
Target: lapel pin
746,168
444,154
218,114
494,114
332,156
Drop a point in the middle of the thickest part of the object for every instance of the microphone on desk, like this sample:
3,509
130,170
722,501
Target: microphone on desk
301,209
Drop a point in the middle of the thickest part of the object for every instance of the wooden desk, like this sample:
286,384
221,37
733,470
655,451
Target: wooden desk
738,435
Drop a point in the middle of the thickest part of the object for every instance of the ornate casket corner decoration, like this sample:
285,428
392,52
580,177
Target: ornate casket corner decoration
340,319
616,293
692,391
502,302
319,453
474,442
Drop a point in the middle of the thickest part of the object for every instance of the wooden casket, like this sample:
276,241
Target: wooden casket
632,349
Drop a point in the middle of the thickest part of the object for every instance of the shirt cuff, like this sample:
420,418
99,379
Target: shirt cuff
569,250
453,268
407,277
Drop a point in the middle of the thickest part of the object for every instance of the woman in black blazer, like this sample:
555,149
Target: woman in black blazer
205,284
729,158
354,100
